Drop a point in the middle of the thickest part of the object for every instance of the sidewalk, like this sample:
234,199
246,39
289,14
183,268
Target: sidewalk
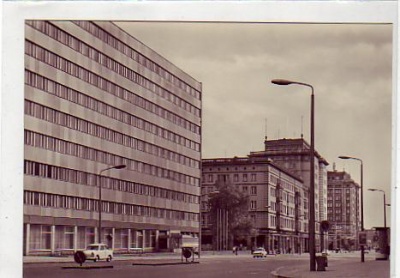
340,266
161,258
118,257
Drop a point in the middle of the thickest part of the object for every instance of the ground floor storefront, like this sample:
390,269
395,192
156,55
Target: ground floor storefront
272,241
62,239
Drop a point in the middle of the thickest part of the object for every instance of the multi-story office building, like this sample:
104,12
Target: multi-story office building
343,210
294,154
277,202
95,98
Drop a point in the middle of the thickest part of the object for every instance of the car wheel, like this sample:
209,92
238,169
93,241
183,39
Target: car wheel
109,258
96,258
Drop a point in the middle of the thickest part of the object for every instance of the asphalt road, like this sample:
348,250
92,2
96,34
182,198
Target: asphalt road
233,267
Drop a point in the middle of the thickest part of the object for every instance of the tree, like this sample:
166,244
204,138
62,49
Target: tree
229,214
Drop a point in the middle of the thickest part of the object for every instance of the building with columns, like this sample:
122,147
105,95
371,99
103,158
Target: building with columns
95,98
343,210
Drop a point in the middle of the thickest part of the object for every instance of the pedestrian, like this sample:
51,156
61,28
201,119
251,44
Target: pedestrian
236,251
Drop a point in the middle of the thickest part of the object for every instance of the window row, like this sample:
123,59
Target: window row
253,190
117,114
78,203
83,48
68,148
226,177
67,93
59,118
141,59
60,63
284,184
37,169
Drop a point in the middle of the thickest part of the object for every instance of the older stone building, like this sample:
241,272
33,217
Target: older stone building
278,181
276,202
294,154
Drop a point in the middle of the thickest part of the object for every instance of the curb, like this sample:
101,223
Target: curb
166,263
87,267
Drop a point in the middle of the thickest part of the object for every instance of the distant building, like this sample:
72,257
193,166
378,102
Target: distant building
343,210
95,97
277,202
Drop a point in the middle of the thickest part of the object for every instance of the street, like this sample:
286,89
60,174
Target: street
217,266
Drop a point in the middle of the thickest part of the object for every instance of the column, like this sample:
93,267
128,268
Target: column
168,239
52,239
75,238
113,237
144,239
157,238
129,240
27,238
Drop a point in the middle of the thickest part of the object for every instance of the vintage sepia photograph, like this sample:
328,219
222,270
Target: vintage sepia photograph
224,140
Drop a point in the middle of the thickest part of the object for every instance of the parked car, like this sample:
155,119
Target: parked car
259,253
98,251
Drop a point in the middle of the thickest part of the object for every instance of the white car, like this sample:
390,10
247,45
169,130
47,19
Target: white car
98,251
259,253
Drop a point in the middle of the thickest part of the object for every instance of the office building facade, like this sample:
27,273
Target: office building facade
95,98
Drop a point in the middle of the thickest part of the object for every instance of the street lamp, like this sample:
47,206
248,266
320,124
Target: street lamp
268,245
311,223
362,199
100,200
384,204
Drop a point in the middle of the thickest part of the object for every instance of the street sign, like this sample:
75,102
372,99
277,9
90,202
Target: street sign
362,238
79,257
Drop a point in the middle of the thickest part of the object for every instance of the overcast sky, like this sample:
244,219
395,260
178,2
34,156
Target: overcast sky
349,65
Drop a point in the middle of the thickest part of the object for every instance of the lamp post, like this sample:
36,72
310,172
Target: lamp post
384,204
362,199
311,223
268,245
100,200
